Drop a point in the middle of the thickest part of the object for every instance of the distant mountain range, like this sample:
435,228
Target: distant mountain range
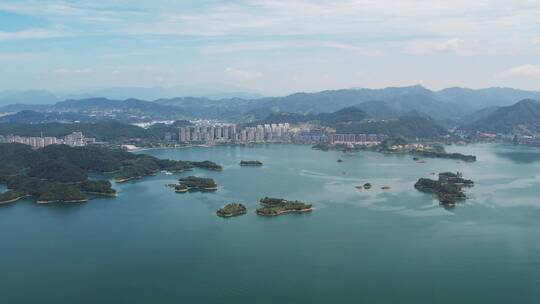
451,107
153,93
355,120
522,117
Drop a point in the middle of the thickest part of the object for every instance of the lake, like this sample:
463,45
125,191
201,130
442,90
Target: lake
152,245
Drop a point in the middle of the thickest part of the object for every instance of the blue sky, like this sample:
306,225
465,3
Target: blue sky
273,47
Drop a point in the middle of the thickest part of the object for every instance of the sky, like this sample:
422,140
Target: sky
269,46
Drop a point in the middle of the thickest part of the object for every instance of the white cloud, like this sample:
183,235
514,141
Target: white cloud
242,74
19,56
291,45
73,71
450,46
526,70
31,34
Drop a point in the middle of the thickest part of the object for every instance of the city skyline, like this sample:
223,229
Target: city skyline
271,47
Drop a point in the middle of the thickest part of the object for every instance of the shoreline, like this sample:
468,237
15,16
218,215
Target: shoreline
231,215
115,194
286,211
14,199
61,201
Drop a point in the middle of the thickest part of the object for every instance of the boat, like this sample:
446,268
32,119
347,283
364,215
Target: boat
385,188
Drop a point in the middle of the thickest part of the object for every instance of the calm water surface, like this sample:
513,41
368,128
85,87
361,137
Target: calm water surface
151,245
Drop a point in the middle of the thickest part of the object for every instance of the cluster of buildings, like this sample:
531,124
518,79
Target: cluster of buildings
75,139
233,133
357,139
278,133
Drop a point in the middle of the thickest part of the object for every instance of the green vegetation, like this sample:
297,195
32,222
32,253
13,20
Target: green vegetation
408,127
11,196
194,183
448,187
277,206
59,173
250,163
208,165
367,186
46,191
101,187
145,165
435,154
233,209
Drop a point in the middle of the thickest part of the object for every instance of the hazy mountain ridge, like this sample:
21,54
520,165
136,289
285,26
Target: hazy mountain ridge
524,116
488,97
448,106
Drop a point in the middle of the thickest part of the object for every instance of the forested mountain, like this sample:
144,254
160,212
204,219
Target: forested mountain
31,117
378,109
448,105
523,116
477,115
410,127
345,115
354,120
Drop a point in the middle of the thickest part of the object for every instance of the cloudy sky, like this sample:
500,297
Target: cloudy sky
270,46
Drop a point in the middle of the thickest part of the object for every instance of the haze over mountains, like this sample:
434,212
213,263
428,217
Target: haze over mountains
449,107
152,93
522,117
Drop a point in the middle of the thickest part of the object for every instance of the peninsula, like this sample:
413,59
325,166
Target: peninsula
59,173
277,206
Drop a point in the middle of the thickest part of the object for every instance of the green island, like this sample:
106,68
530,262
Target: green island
400,145
194,183
254,163
59,173
437,154
231,210
277,206
448,188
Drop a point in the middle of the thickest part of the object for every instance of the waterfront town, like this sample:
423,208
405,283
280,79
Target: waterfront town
268,133
75,139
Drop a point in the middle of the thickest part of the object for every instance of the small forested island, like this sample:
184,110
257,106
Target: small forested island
367,186
59,173
194,183
254,163
277,206
230,210
437,154
448,188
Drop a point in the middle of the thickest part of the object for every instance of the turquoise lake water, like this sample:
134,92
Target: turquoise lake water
151,245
